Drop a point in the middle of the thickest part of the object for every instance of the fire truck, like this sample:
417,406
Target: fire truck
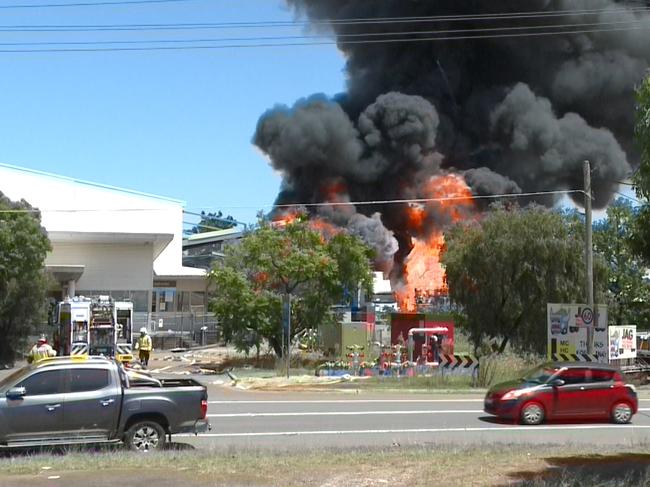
95,325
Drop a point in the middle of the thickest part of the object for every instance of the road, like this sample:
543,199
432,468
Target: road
299,420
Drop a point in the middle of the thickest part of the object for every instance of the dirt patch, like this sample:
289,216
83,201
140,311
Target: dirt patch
594,470
106,478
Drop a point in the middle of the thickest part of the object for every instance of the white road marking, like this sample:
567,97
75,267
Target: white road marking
339,413
345,401
355,401
420,430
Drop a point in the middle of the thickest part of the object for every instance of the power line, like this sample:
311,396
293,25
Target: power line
320,43
629,197
411,200
279,38
259,24
90,4
334,203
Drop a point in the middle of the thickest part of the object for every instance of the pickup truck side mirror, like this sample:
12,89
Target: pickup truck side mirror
16,392
557,382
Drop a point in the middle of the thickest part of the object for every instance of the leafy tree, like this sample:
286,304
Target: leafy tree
296,260
505,268
640,238
212,221
23,247
628,292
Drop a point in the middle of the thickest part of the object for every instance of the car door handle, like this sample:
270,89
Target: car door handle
582,388
52,407
107,402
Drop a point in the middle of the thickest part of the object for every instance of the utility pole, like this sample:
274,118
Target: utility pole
286,329
589,254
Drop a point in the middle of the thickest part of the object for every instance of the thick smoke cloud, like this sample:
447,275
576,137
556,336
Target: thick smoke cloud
511,114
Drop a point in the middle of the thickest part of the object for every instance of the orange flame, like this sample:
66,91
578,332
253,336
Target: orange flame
285,218
424,276
325,228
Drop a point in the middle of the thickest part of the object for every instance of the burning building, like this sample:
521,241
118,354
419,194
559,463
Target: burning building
447,100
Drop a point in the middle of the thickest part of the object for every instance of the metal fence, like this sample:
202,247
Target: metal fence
179,329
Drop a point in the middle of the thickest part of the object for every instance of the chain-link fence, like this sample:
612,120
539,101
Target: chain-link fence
179,329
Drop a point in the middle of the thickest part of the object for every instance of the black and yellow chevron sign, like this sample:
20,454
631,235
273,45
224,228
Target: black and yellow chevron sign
573,357
458,361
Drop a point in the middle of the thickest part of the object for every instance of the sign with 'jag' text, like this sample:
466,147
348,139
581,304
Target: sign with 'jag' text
622,342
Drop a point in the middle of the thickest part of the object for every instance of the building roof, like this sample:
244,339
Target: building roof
180,273
91,183
214,236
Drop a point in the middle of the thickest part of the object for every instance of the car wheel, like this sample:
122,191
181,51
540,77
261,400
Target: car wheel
145,436
621,413
532,413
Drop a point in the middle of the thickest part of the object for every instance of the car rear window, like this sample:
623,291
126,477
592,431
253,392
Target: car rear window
82,380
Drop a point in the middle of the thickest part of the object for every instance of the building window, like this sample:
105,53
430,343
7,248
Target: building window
183,301
197,299
163,300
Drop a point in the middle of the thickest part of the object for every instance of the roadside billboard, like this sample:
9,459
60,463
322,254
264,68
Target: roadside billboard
568,326
622,342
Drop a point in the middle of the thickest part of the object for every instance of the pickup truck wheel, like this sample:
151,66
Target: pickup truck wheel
145,436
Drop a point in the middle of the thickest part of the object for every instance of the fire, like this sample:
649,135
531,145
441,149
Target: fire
424,276
287,217
325,228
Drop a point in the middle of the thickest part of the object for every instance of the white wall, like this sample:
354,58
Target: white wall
112,210
107,266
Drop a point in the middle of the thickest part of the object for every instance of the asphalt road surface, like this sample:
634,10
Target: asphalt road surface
300,420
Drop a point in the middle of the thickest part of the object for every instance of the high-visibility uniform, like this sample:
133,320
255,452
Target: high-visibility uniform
39,352
145,346
144,343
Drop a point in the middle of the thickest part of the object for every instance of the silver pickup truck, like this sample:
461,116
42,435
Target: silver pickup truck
64,400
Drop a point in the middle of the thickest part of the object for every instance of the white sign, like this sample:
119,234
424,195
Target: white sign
568,331
622,342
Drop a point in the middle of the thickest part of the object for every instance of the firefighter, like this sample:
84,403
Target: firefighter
40,351
144,345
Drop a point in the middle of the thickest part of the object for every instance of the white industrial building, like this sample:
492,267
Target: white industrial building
113,241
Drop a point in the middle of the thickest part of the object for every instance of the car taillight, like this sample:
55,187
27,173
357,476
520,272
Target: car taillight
204,408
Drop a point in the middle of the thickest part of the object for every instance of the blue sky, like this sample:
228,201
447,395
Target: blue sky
174,123
178,124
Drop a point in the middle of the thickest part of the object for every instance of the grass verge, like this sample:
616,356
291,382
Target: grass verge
414,466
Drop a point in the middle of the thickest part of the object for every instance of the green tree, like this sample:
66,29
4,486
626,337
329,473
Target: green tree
23,247
269,263
640,238
503,270
212,221
628,292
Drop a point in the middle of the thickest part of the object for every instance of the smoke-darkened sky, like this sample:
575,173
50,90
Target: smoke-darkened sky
509,113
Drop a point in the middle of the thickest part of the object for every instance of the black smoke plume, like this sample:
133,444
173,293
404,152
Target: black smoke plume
509,113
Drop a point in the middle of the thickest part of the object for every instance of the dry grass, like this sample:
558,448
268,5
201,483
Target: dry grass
413,466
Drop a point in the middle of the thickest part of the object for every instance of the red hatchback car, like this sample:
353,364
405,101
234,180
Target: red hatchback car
564,391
